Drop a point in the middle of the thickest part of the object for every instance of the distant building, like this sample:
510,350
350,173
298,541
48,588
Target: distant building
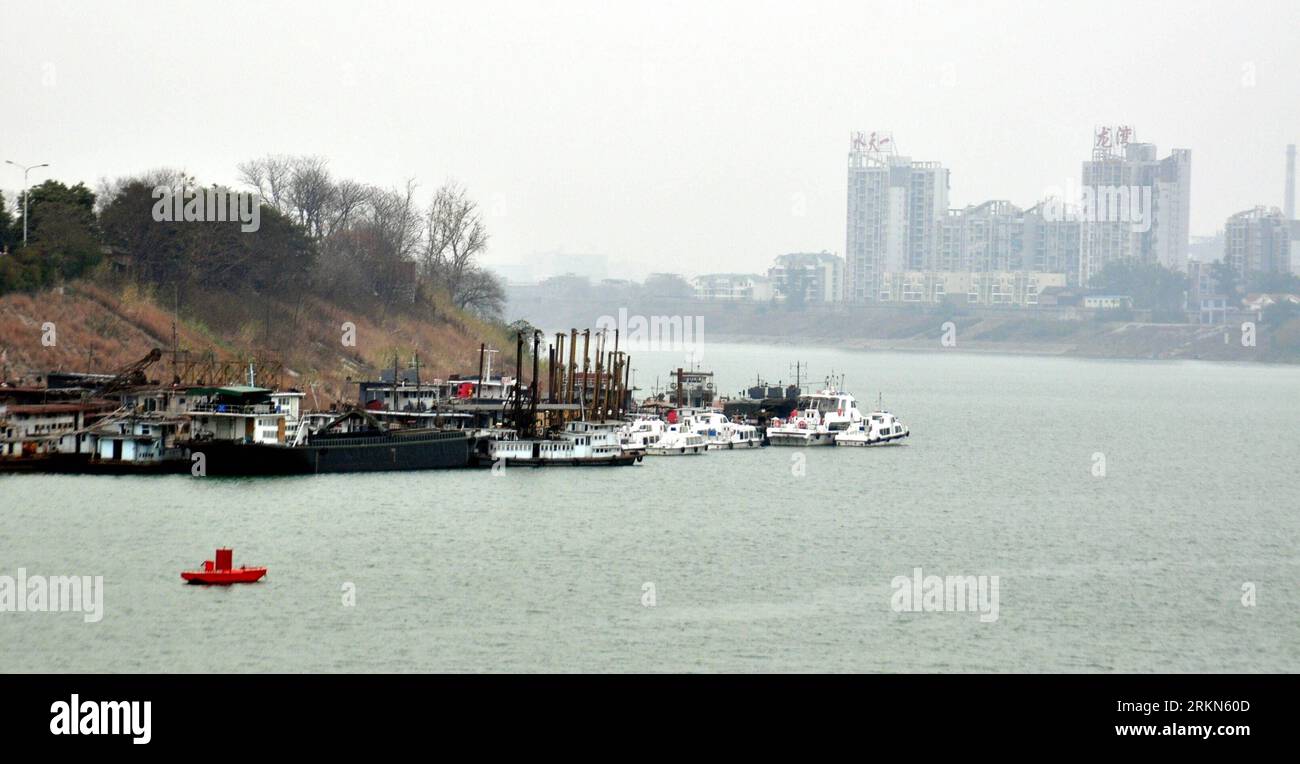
732,287
1107,301
1206,301
983,237
48,428
896,208
999,236
1295,247
593,266
808,277
1053,244
1135,205
1258,303
1258,241
992,288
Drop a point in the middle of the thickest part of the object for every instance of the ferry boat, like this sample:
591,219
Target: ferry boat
817,419
579,444
879,428
720,433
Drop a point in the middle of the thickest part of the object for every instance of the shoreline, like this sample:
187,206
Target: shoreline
1021,349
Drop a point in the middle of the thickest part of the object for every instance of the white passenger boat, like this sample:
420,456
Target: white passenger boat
721,433
817,419
879,428
579,444
678,439
638,434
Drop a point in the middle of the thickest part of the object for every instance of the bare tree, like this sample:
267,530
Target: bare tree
454,236
272,176
310,193
347,202
482,293
393,225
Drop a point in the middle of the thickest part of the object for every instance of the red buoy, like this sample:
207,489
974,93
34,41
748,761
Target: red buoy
222,572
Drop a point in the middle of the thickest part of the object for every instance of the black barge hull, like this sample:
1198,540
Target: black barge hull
347,452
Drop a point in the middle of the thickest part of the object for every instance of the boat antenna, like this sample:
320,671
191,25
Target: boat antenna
799,368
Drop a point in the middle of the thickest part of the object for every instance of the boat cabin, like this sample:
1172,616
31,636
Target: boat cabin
237,413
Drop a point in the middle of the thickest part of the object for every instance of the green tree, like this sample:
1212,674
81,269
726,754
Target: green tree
1152,286
63,237
668,285
276,257
1226,277
1274,283
1280,313
7,241
53,199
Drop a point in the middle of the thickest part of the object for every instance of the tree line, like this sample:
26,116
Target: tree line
351,242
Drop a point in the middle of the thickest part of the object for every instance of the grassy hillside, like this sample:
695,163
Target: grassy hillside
100,328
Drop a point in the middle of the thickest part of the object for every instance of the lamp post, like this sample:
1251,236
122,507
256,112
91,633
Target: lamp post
25,194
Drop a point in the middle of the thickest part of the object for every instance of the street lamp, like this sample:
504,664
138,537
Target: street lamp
25,194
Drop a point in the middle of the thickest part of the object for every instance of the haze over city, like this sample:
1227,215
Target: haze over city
665,137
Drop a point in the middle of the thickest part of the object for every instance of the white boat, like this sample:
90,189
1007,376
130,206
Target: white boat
640,433
817,419
721,433
678,439
579,444
878,428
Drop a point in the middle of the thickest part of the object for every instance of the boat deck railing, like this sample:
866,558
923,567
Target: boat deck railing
224,408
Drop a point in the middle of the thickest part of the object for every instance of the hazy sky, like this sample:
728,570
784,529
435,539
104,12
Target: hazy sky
690,136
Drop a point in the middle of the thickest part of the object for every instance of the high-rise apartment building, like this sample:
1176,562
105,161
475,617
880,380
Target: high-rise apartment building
1135,205
896,209
998,236
1258,241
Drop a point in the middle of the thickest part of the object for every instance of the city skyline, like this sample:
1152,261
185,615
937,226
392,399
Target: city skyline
719,136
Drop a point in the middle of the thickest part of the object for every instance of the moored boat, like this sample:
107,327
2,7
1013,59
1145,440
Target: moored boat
371,449
816,419
579,444
879,428
720,433
638,434
678,440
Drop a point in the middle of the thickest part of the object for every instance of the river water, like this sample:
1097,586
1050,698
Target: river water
768,560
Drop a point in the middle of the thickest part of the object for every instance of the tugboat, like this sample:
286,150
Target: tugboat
222,573
817,419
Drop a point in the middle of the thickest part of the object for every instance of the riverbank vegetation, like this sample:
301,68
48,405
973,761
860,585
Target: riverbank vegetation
326,252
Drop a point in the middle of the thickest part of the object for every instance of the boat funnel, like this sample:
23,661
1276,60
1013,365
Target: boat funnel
224,558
